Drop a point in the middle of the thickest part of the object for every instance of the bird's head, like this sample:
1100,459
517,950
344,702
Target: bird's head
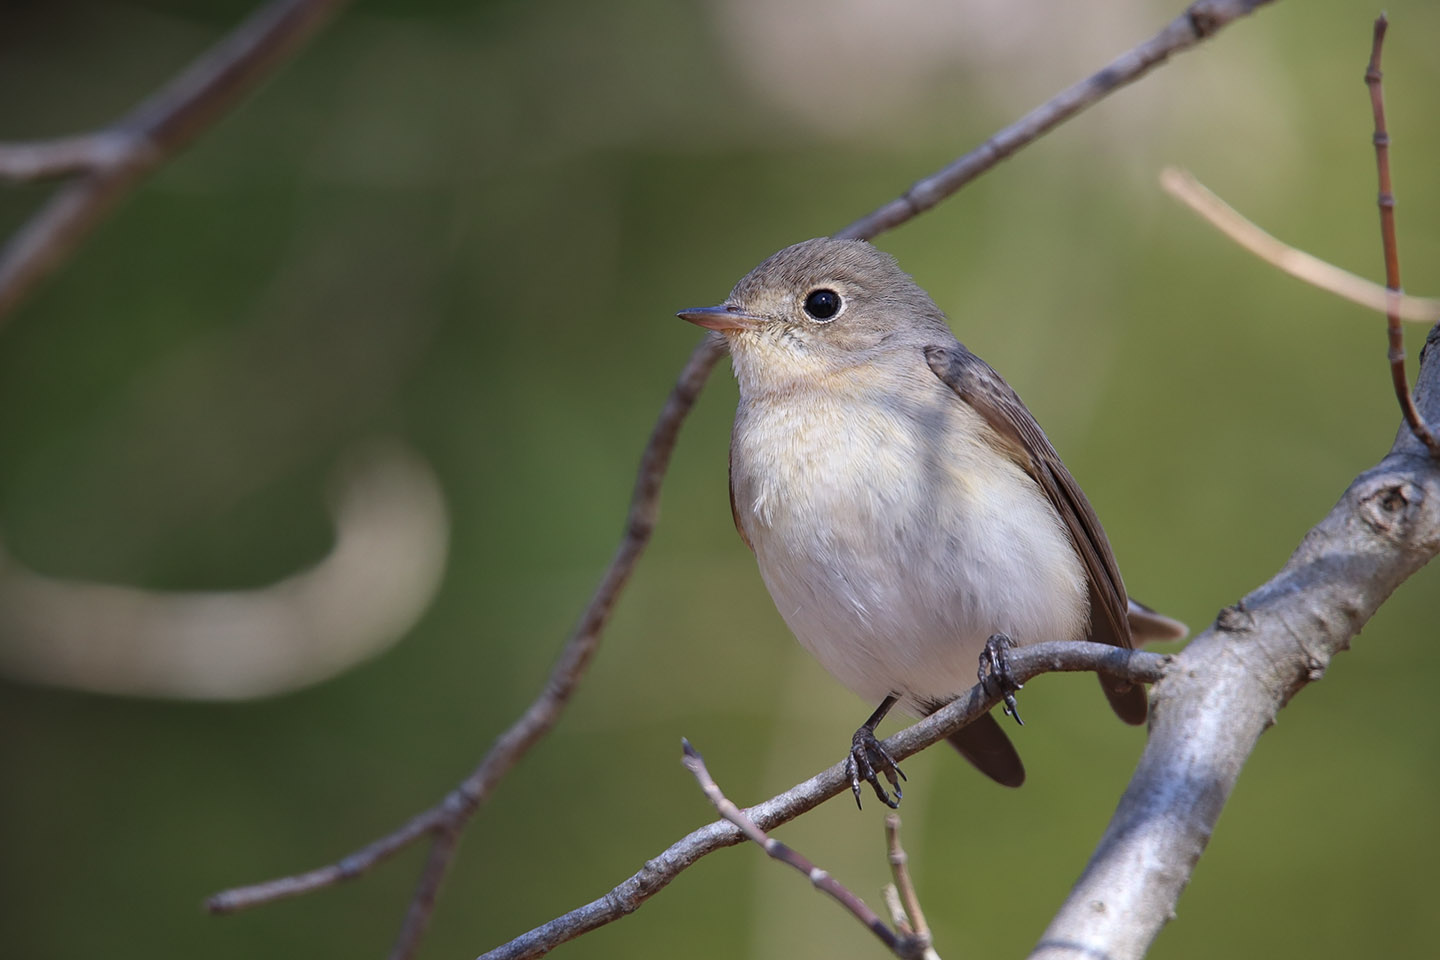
819,308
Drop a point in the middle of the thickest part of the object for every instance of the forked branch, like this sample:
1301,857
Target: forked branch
1200,20
905,944
109,163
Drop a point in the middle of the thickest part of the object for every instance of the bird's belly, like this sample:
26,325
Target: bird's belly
893,549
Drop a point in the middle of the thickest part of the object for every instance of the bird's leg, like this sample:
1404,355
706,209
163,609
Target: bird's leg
867,756
995,672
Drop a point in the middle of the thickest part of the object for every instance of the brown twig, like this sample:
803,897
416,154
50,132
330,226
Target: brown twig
1386,201
110,162
1200,20
450,815
1182,185
903,945
904,886
1026,663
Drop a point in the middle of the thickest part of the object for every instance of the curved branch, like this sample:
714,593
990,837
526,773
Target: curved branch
1201,19
1026,663
113,160
461,803
1231,681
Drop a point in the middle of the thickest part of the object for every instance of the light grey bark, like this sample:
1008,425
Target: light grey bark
1224,690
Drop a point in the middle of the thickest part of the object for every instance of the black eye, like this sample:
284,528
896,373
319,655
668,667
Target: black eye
822,304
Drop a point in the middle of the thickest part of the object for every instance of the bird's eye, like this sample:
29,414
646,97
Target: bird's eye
822,305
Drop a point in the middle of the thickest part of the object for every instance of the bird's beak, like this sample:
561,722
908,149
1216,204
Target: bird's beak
721,318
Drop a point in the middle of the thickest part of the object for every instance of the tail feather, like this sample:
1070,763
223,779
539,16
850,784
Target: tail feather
986,745
1147,626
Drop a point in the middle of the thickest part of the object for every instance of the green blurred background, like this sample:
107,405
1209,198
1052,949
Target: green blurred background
470,224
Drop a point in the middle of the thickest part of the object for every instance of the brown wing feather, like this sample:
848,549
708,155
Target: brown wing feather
735,514
975,382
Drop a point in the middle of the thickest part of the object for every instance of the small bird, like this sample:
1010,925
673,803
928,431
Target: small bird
908,515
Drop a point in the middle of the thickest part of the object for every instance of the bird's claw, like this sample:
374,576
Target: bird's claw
867,760
995,675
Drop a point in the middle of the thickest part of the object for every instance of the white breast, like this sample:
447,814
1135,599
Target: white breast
893,541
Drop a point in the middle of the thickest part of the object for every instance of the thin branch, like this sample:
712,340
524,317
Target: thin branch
1386,202
112,161
896,908
904,886
452,813
1026,663
62,157
1200,20
1182,185
905,947
427,891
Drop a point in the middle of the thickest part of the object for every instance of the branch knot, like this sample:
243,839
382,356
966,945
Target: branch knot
1388,506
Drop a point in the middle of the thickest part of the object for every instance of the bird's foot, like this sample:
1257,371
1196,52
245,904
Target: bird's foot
867,761
995,672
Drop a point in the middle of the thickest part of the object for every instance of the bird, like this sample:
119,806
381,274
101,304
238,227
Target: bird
908,515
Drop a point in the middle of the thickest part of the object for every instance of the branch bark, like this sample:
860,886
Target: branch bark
1026,663
110,162
1231,681
1199,21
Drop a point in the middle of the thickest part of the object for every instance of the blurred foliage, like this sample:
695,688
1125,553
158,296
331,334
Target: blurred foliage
471,224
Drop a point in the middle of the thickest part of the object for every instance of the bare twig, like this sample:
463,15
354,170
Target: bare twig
450,815
427,891
1183,186
903,946
1200,20
896,908
1026,663
62,157
904,886
109,163
1386,201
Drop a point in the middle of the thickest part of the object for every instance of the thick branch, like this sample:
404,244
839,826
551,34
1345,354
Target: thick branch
1201,19
1026,663
112,161
1230,682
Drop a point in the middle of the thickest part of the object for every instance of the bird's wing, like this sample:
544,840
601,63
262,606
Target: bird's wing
735,514
975,382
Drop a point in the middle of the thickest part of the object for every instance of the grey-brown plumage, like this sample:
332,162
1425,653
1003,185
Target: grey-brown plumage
902,503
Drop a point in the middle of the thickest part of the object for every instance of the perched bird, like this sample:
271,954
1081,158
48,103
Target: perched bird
908,514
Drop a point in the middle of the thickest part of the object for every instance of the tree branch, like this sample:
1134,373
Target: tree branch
903,943
1182,185
109,163
1232,680
448,817
1390,246
1026,663
905,905
1201,19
